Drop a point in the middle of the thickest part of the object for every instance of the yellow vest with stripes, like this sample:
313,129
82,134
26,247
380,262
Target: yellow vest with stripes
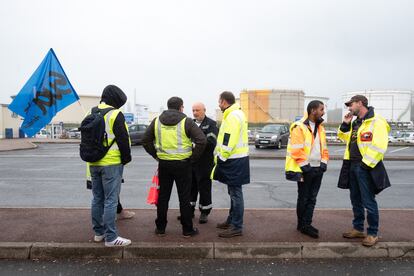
300,150
373,149
113,156
171,142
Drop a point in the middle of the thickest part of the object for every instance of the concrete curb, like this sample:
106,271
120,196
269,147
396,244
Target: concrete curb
209,250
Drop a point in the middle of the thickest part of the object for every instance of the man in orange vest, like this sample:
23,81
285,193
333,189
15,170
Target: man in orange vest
306,161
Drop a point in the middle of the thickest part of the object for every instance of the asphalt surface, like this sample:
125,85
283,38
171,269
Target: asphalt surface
53,175
209,267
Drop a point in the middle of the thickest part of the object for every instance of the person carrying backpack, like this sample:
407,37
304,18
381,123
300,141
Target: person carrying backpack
104,132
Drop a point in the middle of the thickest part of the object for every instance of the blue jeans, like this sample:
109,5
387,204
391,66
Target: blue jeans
106,184
236,212
363,197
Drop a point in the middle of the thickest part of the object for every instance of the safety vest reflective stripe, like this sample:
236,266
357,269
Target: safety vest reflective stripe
370,159
107,126
205,207
371,146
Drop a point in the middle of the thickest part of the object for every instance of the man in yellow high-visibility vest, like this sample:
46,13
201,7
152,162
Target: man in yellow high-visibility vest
232,162
363,172
169,139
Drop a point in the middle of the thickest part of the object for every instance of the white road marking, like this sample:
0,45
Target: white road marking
398,149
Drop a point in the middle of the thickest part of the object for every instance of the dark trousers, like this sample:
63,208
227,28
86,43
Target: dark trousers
180,172
307,193
201,184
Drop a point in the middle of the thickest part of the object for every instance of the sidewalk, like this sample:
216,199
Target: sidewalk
43,233
30,143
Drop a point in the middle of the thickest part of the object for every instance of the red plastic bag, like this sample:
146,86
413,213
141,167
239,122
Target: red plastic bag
154,190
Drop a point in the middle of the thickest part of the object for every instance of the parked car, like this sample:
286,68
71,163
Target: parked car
332,136
136,132
273,135
74,133
43,133
408,137
392,139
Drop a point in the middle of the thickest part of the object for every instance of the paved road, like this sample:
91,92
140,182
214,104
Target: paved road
402,150
209,267
54,176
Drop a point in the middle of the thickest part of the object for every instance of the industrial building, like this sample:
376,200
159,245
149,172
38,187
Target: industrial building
393,105
272,105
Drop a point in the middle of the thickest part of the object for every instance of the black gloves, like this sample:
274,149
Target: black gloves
323,167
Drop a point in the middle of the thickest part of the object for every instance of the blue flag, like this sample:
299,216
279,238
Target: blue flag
46,93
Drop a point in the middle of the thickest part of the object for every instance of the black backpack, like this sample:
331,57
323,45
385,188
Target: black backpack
93,135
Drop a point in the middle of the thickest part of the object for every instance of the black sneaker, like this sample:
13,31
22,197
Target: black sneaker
231,232
191,234
223,225
314,229
307,230
203,218
159,232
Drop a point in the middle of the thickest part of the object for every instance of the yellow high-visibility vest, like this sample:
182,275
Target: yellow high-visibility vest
171,142
372,140
113,156
300,146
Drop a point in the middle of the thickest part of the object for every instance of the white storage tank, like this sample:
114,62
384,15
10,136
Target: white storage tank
393,105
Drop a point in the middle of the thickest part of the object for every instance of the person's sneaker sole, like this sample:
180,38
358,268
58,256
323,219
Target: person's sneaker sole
192,234
223,235
100,238
223,226
353,236
125,242
159,233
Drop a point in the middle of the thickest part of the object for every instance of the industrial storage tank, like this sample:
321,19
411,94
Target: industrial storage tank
393,105
272,105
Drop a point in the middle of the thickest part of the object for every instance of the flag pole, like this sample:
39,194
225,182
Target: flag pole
84,111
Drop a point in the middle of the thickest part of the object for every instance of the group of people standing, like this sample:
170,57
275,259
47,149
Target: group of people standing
192,152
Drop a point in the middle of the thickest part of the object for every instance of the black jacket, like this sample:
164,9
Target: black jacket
172,117
378,174
210,130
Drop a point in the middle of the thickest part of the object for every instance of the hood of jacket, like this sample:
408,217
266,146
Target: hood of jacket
171,117
113,95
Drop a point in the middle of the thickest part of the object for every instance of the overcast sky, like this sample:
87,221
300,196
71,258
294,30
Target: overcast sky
197,49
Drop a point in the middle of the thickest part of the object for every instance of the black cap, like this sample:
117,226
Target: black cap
358,98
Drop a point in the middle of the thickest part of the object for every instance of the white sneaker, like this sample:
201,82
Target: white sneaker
119,241
125,215
99,238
